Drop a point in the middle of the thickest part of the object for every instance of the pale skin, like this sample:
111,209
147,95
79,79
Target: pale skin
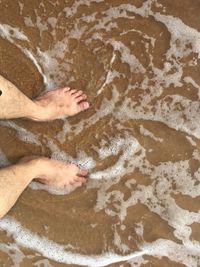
52,105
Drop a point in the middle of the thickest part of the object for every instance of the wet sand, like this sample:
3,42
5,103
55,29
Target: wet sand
138,61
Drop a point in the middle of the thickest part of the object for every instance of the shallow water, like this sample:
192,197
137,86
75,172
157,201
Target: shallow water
139,63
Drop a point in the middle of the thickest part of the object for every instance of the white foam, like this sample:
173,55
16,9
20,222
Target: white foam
3,160
192,142
51,189
146,132
118,243
30,55
177,112
189,80
111,75
14,253
22,133
28,21
82,158
54,251
71,11
181,31
8,32
43,263
130,147
127,56
167,112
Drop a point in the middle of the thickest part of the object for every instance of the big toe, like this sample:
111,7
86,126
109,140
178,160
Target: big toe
83,106
83,172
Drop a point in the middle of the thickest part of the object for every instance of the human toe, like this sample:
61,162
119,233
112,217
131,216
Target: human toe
81,98
83,105
78,93
66,89
72,91
80,179
83,172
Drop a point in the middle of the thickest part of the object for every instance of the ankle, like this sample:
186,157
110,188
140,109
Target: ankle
34,112
38,165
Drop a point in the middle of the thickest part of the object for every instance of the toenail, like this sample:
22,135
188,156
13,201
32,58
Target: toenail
86,105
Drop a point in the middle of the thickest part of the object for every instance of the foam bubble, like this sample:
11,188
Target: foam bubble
57,252
22,133
175,111
146,132
3,159
8,32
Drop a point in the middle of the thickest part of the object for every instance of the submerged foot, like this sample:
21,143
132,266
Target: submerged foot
60,103
58,174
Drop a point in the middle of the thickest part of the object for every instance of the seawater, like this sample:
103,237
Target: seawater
138,61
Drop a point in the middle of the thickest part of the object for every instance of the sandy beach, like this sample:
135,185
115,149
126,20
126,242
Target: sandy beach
139,63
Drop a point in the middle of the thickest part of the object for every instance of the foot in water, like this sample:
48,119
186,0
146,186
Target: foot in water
60,103
57,174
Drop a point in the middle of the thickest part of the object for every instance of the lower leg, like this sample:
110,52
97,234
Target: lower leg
14,179
13,103
52,105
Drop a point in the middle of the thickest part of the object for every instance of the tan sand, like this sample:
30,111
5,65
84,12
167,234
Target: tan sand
140,67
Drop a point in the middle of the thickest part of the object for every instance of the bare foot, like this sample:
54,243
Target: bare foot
57,173
60,103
